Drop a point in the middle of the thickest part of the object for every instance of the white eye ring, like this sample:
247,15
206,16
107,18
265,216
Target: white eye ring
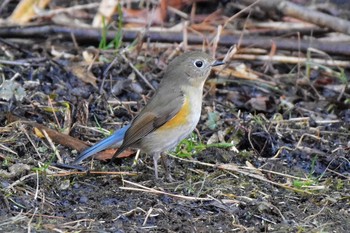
198,63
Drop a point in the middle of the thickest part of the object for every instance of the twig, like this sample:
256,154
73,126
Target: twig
20,180
298,144
47,216
30,220
53,147
138,72
155,191
309,15
216,39
147,216
130,212
90,35
240,12
231,167
5,148
11,220
265,219
51,13
21,127
3,4
37,186
291,60
15,63
93,173
59,138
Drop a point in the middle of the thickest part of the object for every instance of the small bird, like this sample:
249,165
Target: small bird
170,116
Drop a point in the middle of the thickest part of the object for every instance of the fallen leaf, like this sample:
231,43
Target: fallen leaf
240,71
38,133
109,153
26,10
11,88
61,54
213,118
262,103
84,75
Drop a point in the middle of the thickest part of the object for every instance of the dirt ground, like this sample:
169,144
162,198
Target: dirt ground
269,155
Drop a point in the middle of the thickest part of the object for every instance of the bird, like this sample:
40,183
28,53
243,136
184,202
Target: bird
171,114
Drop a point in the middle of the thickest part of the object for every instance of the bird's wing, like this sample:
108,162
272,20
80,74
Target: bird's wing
161,109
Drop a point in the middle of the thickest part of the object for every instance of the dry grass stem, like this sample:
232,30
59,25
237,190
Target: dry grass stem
142,188
291,60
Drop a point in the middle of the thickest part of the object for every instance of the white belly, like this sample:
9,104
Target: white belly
159,141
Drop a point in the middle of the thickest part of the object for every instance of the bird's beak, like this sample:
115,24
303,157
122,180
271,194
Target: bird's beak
217,63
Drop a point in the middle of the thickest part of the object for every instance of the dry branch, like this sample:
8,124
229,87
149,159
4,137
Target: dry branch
85,35
309,15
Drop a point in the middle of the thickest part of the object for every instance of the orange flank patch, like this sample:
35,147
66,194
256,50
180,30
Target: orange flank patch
179,119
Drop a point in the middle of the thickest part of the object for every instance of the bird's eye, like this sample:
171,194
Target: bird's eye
198,63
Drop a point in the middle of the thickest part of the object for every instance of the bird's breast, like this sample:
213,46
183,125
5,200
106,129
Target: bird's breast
181,118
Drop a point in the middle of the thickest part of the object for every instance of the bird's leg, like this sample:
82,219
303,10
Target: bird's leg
165,164
156,157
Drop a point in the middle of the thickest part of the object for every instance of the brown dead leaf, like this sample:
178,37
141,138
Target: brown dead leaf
258,103
61,53
108,154
38,133
262,103
241,71
83,74
26,10
89,56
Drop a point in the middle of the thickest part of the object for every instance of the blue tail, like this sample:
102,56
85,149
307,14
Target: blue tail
114,140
